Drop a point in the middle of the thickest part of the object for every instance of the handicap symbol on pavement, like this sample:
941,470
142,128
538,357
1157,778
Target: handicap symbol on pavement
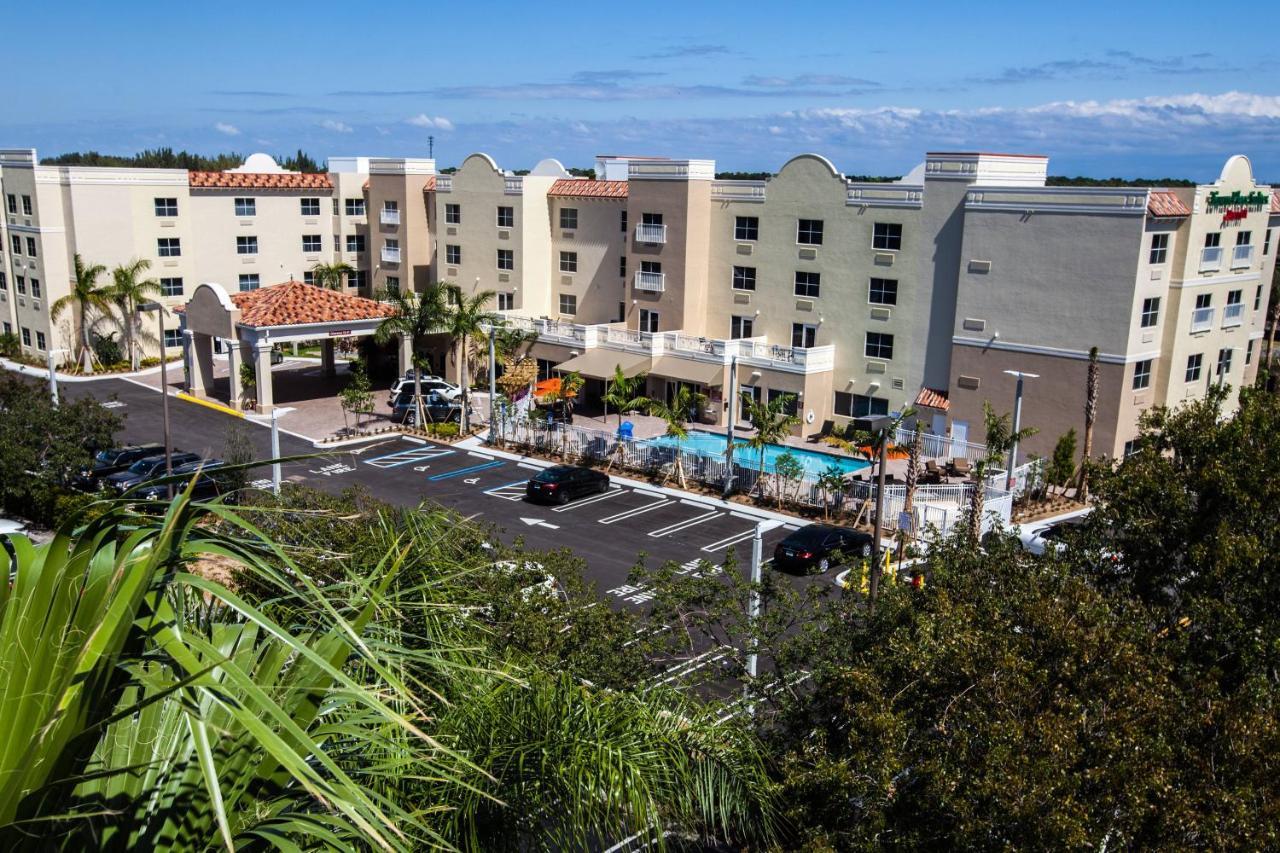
421,467
471,481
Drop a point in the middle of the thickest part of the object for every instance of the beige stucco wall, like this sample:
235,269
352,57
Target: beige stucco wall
598,242
479,187
671,198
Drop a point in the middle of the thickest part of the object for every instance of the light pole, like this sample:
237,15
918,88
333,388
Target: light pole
880,426
1017,424
753,600
493,386
53,376
164,391
733,412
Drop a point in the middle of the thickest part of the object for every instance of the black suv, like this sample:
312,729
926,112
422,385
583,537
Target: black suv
818,547
210,483
147,469
562,483
436,409
107,462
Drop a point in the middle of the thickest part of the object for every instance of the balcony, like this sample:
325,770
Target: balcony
646,233
654,282
1211,259
1233,315
391,254
1201,320
389,217
1241,256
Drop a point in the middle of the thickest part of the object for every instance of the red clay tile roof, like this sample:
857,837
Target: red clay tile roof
1275,201
584,188
430,185
293,303
1163,203
260,180
932,399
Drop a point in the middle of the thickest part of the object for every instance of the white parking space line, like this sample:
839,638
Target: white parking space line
612,493
728,541
407,457
529,465
610,519
480,455
687,523
509,492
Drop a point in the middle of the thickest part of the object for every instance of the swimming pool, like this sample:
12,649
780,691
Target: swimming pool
712,444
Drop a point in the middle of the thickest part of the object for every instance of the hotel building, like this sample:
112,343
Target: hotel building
850,298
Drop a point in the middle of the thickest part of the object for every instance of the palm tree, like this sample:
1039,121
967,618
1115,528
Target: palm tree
1090,416
510,344
675,414
331,276
85,295
772,423
417,315
465,318
912,481
1000,440
128,290
623,393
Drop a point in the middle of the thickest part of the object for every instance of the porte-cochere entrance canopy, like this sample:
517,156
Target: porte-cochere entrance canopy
254,321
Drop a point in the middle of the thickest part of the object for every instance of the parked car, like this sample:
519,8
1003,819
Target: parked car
112,460
209,484
1039,537
562,483
818,547
147,468
429,383
436,409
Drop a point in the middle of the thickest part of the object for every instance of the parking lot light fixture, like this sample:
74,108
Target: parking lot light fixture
1017,423
53,375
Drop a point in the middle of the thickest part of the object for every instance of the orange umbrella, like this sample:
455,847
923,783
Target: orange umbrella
548,387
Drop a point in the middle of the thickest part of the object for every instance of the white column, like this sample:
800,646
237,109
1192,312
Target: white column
406,353
262,372
233,364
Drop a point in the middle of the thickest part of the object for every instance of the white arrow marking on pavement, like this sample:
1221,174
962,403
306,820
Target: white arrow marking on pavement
537,522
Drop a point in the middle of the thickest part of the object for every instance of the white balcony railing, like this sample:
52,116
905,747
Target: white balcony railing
390,217
1201,320
617,335
1241,256
1233,315
655,282
1210,258
391,254
651,233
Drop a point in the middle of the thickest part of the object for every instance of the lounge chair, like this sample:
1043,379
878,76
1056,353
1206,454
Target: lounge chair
960,467
932,473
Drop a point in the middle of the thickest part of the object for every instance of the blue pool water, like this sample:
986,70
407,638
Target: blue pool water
711,444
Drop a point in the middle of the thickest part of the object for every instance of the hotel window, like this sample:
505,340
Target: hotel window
452,254
1257,298
26,205
1266,242
858,406
391,246
506,259
393,285
168,247
308,277
1142,375
246,207
1204,300
1212,240
741,327
21,285
354,206
744,278
1159,248
809,232
310,243
1235,297
1130,448
358,278
390,206
26,336
884,291
1150,312
16,242
887,236
804,335
171,286
807,283
166,207
13,203
355,243
4,282
790,402
622,220
310,206
568,304
453,214
31,246
648,320
568,261
747,228
250,281
506,301
172,338
1248,353
40,340
246,245
654,219
1244,238
1224,361
879,345
569,218
622,265
506,217
8,328
35,288
1194,363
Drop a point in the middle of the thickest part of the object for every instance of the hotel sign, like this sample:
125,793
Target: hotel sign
1237,200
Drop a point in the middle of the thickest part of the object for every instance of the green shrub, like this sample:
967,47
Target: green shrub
107,349
448,430
10,346
149,361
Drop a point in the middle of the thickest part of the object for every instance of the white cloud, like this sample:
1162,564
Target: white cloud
228,129
335,126
424,120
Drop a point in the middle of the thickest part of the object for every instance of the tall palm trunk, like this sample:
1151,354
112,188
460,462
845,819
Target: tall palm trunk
1090,416
86,348
977,499
913,478
130,335
466,389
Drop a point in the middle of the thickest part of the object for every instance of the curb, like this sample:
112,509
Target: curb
208,404
43,372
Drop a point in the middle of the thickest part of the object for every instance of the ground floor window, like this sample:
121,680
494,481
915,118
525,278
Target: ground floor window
173,337
792,400
648,320
40,340
858,406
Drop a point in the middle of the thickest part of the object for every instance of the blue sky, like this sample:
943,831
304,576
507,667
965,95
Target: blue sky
1114,88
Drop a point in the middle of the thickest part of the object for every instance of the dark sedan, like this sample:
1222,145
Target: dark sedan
818,547
111,461
146,469
562,483
209,482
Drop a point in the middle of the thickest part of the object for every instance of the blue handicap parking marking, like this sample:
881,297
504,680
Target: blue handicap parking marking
410,456
483,466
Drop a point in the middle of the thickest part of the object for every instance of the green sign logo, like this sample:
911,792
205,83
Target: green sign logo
1253,201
